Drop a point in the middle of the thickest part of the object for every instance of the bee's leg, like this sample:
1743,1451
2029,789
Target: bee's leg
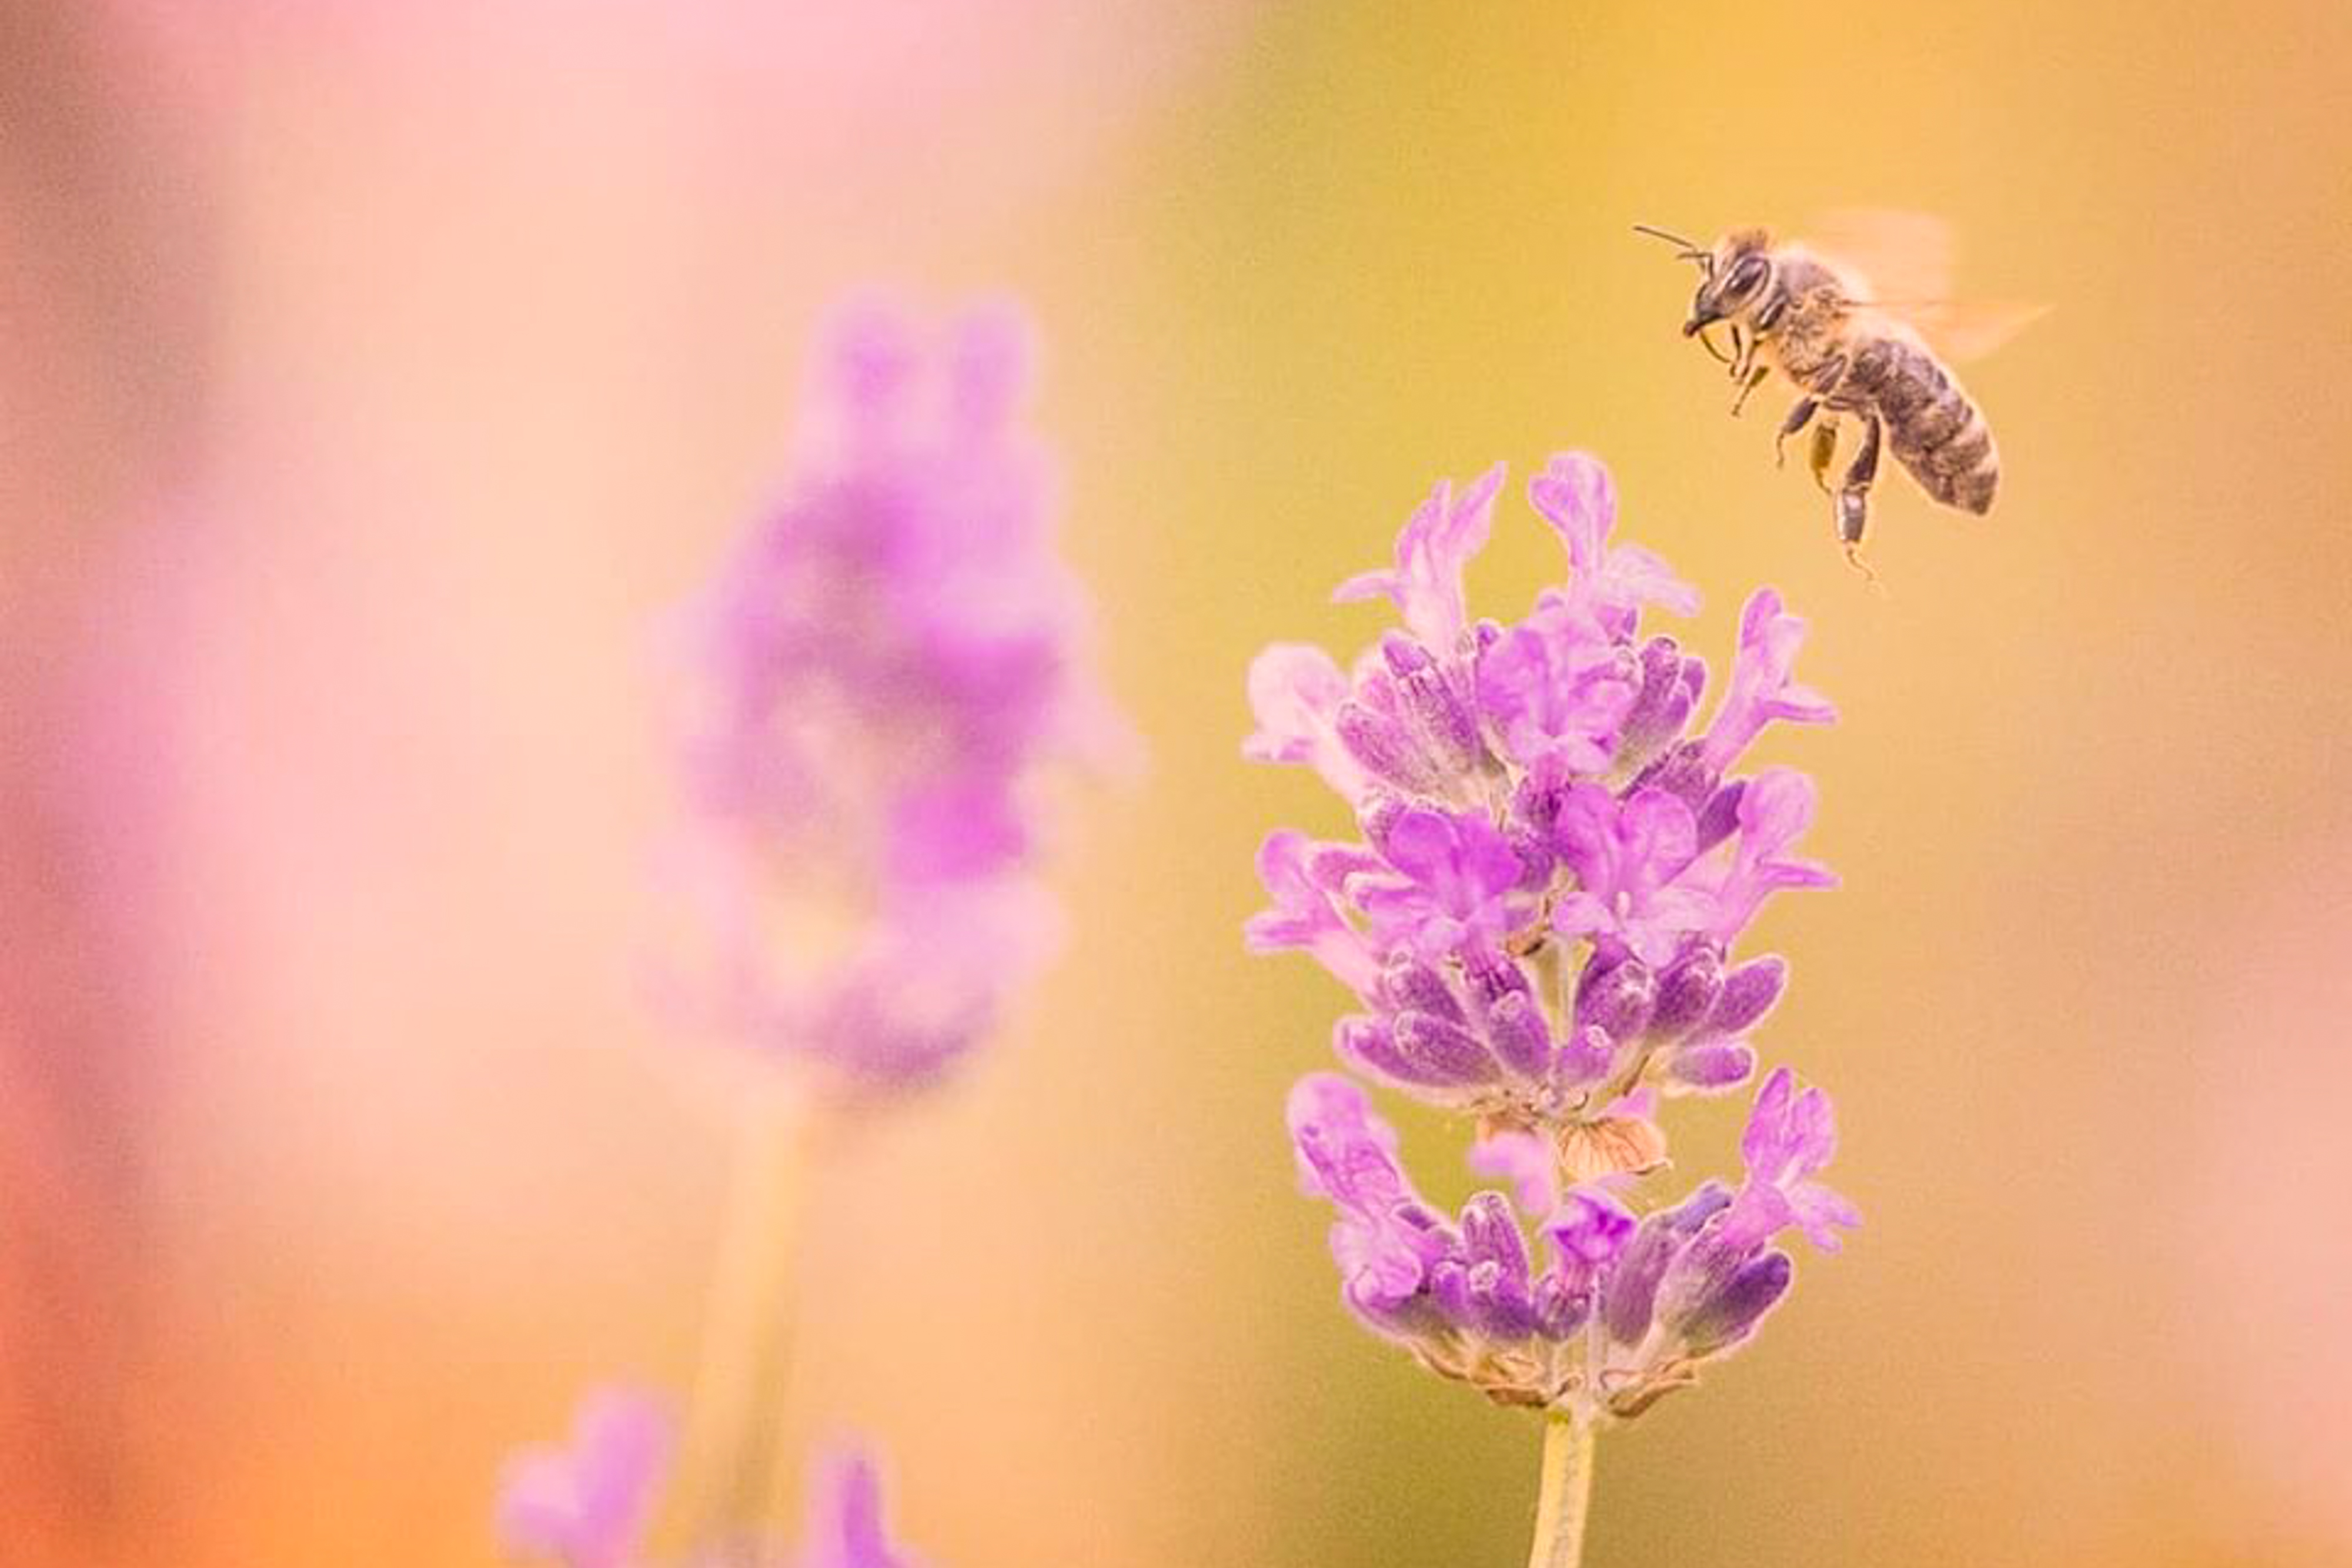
1854,496
1823,452
1799,417
1755,378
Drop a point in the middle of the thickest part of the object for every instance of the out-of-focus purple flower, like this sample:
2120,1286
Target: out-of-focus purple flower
586,1504
846,1527
886,668
1541,925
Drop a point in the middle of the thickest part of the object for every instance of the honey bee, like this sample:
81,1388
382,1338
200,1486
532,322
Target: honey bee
1855,347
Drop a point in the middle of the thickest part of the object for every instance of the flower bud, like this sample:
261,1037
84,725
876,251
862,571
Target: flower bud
1376,816
1370,1044
1561,1308
1618,998
1447,726
1501,1306
1669,690
1443,1052
1585,1058
1411,985
1383,747
1630,1299
1682,772
1732,1312
1712,1065
1687,992
1517,1031
1748,993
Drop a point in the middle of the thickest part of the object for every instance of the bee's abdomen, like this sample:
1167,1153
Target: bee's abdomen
1935,431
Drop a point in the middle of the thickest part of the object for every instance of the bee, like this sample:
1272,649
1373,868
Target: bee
1854,351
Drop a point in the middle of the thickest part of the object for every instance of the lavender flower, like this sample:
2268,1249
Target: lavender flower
845,1523
886,669
1613,1311
1539,924
587,1504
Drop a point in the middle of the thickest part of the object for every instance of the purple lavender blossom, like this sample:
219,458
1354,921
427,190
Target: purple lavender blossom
1435,543
1615,1310
844,1518
1540,922
587,1504
886,667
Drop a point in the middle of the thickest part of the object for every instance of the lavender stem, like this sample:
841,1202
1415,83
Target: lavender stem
732,1487
1566,1495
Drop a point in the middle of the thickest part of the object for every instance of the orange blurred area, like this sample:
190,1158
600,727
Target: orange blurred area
374,378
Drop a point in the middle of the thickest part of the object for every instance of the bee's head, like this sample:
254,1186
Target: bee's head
1732,280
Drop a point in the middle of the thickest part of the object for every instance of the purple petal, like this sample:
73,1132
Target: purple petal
1591,1229
1749,992
1734,1310
587,1503
1712,1065
1527,1162
1295,692
846,1527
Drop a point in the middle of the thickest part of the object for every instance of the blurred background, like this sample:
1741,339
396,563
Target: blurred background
373,378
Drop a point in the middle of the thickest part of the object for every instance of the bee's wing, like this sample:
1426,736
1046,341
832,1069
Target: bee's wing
1966,329
1903,261
1899,255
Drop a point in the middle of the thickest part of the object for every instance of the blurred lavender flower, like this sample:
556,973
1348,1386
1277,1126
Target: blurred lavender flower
844,1527
1539,924
587,1504
887,673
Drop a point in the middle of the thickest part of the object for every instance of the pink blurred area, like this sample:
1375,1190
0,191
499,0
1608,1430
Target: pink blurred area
374,377
2258,1240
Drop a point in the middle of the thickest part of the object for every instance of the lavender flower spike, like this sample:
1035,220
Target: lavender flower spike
1540,927
889,662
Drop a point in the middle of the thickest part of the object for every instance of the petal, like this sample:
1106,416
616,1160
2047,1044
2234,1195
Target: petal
1523,1160
1579,499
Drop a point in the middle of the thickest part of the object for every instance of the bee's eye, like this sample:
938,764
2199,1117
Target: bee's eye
1745,276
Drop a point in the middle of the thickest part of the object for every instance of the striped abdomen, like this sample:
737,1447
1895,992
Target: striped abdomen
1933,428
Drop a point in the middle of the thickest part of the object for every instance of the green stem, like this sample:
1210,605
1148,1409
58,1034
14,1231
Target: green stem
1567,1492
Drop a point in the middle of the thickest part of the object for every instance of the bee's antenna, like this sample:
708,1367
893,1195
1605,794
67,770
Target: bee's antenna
1688,251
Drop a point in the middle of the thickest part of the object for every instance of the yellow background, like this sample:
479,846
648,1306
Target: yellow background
376,377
